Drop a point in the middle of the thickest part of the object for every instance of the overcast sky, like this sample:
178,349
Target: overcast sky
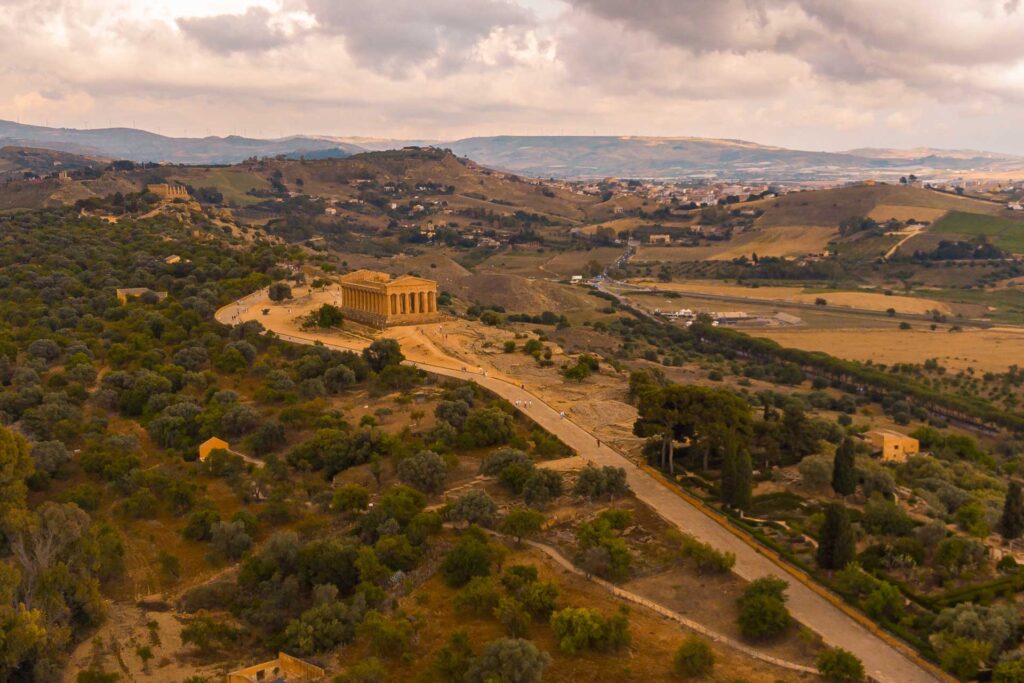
810,74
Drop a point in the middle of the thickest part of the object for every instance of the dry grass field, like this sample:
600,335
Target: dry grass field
783,241
874,301
988,350
884,212
829,207
234,183
547,264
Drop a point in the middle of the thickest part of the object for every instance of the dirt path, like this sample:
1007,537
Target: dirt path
885,659
912,232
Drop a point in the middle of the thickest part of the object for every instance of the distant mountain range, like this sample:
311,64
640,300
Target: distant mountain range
539,156
140,145
648,157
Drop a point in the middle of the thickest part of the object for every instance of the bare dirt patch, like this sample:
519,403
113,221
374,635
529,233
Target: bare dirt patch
115,648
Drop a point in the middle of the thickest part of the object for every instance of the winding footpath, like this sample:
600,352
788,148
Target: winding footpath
885,659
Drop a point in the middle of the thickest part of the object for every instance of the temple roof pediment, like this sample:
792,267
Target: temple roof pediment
412,280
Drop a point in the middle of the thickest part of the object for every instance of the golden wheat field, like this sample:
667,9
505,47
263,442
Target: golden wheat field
993,350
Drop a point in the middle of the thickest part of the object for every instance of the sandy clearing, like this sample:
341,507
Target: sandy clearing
867,300
993,349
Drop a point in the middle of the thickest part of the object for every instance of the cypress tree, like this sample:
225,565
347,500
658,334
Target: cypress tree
844,475
1011,524
737,478
835,543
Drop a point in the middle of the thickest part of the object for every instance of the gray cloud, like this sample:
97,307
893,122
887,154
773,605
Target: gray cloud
398,35
922,43
226,33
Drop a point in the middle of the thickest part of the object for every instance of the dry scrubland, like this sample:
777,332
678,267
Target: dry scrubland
648,658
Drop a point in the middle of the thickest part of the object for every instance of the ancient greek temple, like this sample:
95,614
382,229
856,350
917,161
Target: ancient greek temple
373,298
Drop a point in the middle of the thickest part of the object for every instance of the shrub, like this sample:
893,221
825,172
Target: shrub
509,659
453,660
542,487
501,458
581,628
470,557
366,671
279,291
704,555
693,659
511,614
425,471
763,612
606,481
229,539
489,426
479,597
1009,671
350,498
323,627
474,507
521,523
840,666
962,657
388,637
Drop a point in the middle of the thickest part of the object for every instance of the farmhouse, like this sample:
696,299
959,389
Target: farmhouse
893,446
373,298
284,669
659,239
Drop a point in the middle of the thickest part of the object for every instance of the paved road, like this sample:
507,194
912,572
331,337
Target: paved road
882,661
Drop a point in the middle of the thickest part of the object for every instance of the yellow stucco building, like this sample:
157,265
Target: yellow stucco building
285,668
373,298
210,445
894,447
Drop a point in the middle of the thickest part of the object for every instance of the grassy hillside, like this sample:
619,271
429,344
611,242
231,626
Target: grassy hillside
1005,233
830,207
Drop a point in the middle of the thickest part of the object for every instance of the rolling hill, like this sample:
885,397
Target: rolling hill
539,156
15,161
140,145
651,157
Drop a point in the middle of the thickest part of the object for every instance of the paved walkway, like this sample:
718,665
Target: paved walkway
883,660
